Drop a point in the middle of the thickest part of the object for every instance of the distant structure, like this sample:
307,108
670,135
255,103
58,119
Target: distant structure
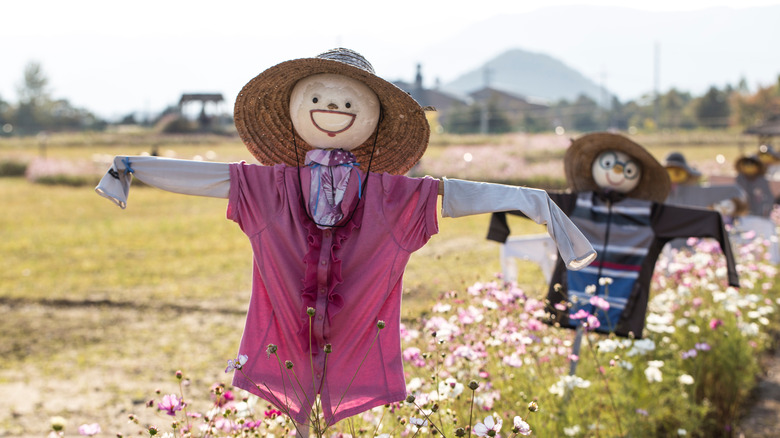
514,106
204,120
442,101
765,130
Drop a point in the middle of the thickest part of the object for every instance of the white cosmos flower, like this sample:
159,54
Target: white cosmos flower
685,379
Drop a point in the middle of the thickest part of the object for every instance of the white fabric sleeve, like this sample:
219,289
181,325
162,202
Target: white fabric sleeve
200,178
463,198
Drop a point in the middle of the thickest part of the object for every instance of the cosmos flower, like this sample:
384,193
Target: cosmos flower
89,429
521,427
170,403
236,364
487,425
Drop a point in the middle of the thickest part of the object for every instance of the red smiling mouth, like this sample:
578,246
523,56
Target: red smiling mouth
332,122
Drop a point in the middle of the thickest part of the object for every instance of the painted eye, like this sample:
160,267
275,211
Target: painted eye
631,170
315,100
607,160
348,105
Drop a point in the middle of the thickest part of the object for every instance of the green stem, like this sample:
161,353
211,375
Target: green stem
471,410
606,384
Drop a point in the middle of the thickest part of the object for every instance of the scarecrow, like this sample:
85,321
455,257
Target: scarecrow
616,199
687,190
751,177
332,222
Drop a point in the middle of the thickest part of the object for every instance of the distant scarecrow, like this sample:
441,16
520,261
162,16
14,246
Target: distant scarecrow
616,200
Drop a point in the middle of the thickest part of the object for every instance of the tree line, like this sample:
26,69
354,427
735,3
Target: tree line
719,108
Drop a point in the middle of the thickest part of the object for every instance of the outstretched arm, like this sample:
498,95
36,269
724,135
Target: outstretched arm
463,198
199,178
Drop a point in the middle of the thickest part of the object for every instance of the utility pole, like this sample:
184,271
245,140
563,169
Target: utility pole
656,80
483,120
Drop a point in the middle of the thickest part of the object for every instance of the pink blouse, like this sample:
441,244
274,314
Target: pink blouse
350,275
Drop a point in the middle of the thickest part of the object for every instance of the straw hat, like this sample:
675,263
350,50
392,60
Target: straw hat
676,159
262,114
654,184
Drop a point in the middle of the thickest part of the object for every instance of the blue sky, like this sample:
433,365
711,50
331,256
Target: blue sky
115,58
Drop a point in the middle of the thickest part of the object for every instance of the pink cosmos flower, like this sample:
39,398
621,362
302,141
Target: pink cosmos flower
521,426
599,302
579,315
593,322
170,404
560,306
488,424
715,323
89,429
697,301
272,413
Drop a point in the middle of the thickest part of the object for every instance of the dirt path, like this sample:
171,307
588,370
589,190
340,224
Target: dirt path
763,421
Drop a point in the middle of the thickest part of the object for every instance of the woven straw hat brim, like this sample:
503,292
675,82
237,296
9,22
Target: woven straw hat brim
262,117
654,184
678,161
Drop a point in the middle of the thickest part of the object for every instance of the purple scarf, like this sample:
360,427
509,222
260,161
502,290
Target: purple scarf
330,170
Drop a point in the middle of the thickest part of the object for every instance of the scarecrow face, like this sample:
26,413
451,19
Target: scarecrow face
748,168
678,175
616,171
333,111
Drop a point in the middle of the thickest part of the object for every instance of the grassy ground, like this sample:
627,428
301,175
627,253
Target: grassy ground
99,306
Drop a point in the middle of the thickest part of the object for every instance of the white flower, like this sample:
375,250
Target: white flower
419,422
682,432
641,346
492,305
694,328
488,424
571,431
655,363
590,289
414,384
450,388
608,345
605,281
653,374
567,383
685,379
442,308
521,426
236,364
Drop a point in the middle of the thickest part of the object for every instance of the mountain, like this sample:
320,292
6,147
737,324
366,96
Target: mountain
629,51
532,75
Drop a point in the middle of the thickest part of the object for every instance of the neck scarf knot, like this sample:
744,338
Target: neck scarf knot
330,170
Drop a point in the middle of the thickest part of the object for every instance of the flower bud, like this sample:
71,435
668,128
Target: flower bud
473,385
310,311
533,407
380,324
179,374
328,348
271,349
460,432
152,431
288,364
410,399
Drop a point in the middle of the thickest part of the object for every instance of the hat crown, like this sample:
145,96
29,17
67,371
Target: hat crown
676,159
349,57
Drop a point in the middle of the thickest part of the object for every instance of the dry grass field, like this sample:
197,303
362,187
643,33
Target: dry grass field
100,306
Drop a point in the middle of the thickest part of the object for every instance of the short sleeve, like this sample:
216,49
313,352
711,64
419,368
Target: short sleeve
409,207
255,195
